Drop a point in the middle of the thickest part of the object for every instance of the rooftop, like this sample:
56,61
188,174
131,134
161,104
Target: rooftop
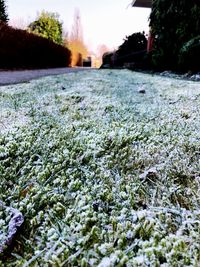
142,3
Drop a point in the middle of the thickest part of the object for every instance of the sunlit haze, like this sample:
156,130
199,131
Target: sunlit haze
104,22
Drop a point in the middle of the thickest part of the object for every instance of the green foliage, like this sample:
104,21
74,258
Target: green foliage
189,57
128,51
131,53
48,26
3,13
173,24
135,42
132,49
20,49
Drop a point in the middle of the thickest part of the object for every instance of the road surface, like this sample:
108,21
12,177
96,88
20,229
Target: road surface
20,76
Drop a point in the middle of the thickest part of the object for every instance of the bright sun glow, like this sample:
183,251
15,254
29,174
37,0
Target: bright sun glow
104,22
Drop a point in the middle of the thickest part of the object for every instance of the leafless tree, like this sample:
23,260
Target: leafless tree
76,41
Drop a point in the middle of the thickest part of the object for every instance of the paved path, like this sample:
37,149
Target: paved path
12,77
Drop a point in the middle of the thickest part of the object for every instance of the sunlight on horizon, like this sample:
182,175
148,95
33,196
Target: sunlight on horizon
105,22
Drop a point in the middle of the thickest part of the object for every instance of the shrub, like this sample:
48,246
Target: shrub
189,57
20,49
173,23
3,12
47,25
132,50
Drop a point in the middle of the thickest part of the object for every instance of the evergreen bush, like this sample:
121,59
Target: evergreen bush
189,57
3,12
173,23
132,50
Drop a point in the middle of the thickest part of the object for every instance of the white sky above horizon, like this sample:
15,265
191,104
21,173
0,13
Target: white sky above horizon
104,21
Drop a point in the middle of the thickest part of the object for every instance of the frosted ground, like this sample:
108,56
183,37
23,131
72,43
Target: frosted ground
103,174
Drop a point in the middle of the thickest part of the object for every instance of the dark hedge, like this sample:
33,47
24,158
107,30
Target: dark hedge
22,50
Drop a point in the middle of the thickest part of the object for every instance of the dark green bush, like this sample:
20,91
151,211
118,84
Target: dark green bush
189,57
132,50
20,49
173,23
132,53
3,11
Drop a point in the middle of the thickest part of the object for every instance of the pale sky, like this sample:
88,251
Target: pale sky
104,21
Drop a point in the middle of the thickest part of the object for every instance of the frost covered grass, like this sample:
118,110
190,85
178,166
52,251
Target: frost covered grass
104,175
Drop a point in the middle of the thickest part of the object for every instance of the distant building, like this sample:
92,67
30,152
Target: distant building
89,62
145,4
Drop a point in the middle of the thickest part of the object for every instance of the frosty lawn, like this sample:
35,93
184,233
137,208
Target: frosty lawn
103,175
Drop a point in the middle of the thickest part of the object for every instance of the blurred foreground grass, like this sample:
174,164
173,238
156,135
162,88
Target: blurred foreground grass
104,175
